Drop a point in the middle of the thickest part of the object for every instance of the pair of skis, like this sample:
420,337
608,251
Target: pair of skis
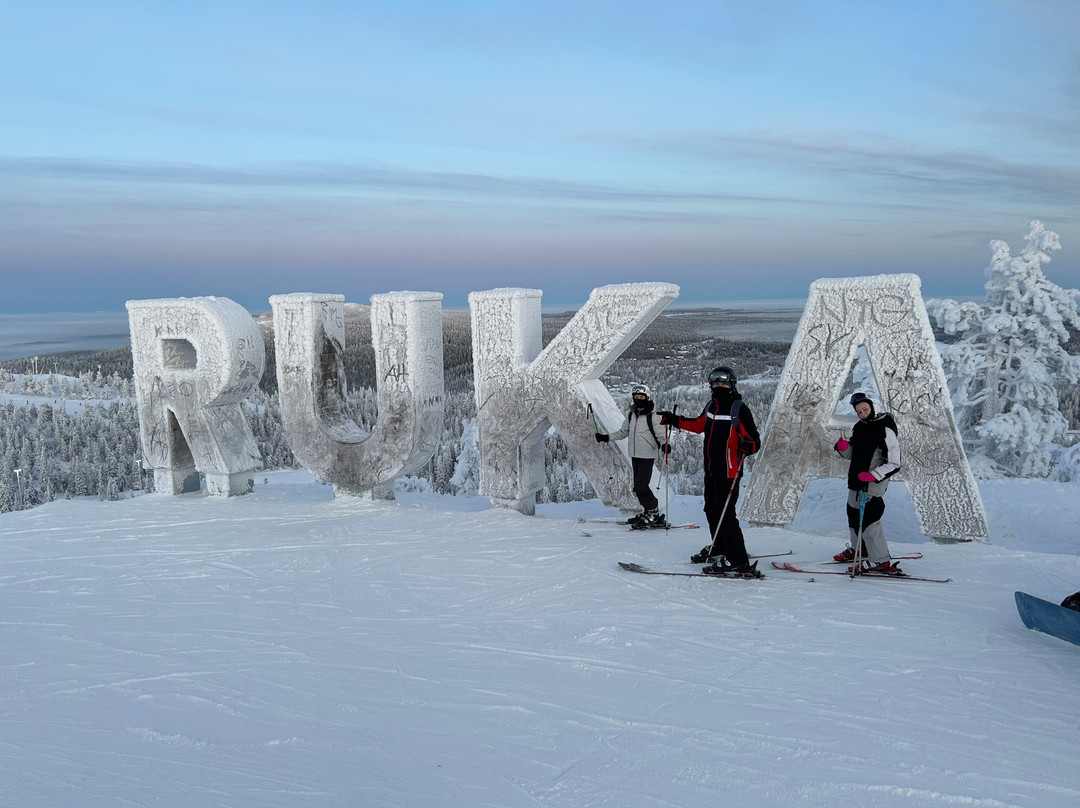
788,567
631,567
864,574
633,525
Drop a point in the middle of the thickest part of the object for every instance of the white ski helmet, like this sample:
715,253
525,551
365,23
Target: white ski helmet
641,389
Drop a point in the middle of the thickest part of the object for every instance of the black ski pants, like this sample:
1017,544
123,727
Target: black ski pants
729,539
642,479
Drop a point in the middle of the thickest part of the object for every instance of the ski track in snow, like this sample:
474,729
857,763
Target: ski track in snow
290,649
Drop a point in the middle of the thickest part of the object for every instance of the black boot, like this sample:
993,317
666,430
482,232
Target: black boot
708,553
733,570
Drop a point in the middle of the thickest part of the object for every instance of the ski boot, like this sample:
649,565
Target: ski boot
650,519
708,553
732,570
884,568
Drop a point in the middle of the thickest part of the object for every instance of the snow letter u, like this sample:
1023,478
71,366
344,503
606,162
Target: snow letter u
406,333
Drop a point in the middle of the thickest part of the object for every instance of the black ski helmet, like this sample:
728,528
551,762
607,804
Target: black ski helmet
723,374
859,398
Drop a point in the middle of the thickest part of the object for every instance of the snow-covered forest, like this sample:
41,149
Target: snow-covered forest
68,424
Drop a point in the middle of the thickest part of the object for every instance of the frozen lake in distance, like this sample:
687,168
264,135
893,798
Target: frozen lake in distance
39,334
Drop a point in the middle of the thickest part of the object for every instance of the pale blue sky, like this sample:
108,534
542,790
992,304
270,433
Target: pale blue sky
740,150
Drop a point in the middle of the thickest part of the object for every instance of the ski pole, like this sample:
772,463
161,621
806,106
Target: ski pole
727,501
667,476
667,479
858,539
596,428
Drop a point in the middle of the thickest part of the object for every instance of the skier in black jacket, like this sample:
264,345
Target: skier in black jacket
874,454
730,435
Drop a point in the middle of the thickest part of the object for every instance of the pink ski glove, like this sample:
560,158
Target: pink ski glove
841,445
867,477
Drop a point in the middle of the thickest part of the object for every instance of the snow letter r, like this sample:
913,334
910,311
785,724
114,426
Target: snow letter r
195,360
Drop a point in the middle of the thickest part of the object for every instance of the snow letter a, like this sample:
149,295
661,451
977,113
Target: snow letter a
885,314
195,360
520,391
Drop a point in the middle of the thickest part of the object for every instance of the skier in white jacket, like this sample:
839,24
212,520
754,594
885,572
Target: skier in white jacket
645,447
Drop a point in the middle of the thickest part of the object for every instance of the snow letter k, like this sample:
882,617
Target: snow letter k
521,391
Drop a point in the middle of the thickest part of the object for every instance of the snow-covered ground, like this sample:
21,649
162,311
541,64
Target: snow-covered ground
292,649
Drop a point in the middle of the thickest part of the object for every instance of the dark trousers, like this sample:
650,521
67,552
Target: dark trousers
729,538
642,478
872,511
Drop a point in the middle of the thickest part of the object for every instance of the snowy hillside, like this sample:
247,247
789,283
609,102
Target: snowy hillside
292,649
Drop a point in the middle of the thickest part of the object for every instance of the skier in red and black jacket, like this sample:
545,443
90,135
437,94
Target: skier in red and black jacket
730,435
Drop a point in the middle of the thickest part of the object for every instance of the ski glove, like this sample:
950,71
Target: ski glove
867,477
842,444
666,448
668,418
602,438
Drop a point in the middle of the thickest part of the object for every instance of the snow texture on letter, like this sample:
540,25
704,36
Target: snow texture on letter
406,333
521,391
195,360
885,314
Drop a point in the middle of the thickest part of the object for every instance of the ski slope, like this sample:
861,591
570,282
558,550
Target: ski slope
291,649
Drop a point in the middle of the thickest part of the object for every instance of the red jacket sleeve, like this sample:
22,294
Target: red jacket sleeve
693,424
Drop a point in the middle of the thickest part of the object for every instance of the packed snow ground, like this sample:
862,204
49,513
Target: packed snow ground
292,649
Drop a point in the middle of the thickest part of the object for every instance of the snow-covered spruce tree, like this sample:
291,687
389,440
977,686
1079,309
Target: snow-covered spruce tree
466,479
1006,368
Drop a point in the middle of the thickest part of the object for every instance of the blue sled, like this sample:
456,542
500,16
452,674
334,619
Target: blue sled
1049,618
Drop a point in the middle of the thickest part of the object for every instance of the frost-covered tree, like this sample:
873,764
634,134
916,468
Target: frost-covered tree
466,479
1006,368
8,494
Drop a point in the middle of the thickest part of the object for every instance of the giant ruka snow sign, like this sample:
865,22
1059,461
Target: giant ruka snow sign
196,359
885,314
